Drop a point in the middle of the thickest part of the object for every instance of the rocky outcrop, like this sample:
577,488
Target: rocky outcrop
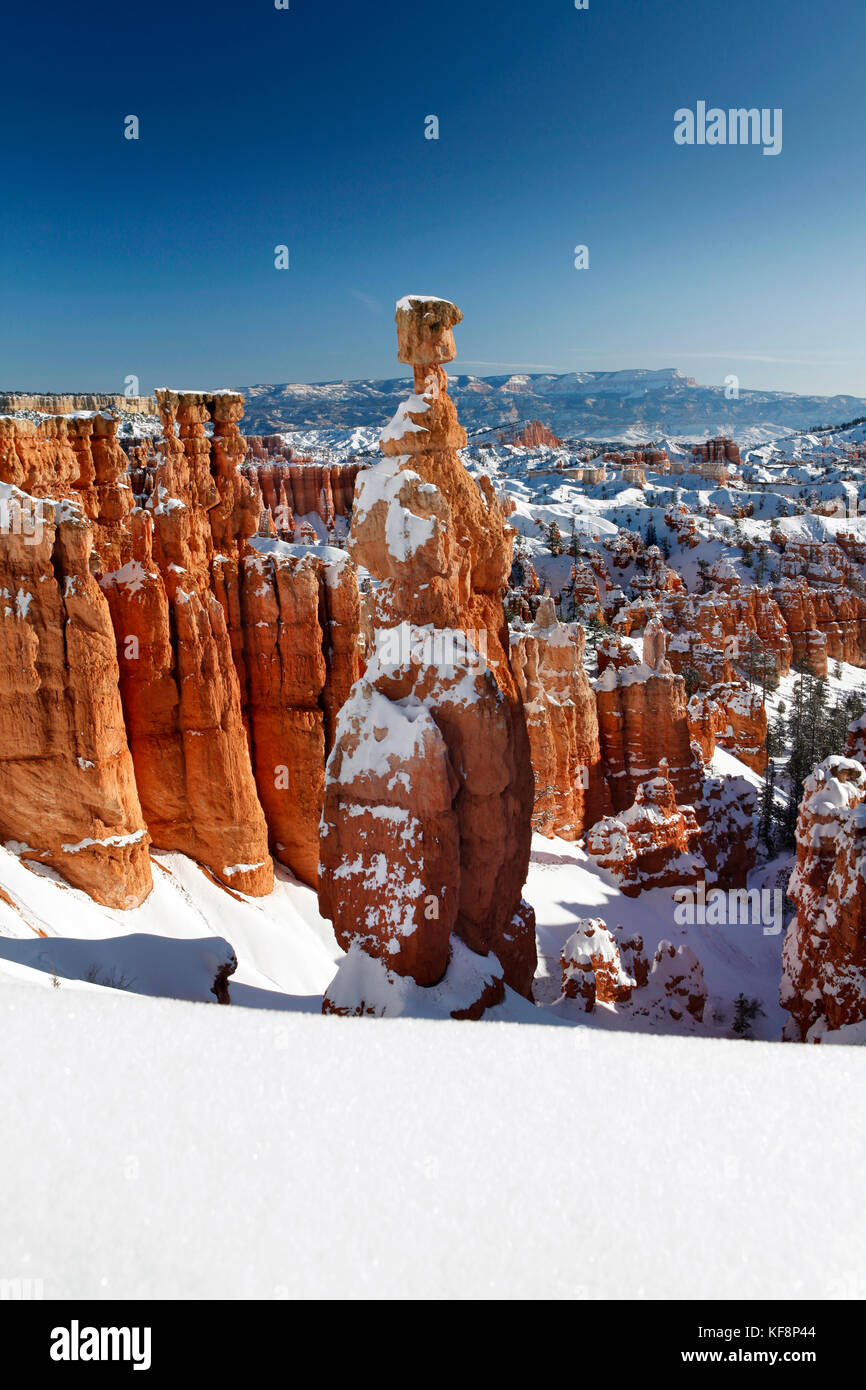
570,789
178,678
655,645
301,616
728,628
642,719
614,650
809,643
604,966
531,435
824,955
720,448
429,790
69,800
66,404
725,812
730,716
290,490
676,991
856,743
652,844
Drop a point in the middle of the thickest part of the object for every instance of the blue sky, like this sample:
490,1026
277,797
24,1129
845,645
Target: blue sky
305,127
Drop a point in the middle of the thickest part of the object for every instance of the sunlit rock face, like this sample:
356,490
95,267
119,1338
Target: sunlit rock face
824,956
570,790
429,787
69,798
642,719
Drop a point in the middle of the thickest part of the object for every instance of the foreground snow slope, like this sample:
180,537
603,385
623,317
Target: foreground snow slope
172,943
183,1150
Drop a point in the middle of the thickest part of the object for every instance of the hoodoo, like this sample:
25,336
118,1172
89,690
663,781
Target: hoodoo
429,789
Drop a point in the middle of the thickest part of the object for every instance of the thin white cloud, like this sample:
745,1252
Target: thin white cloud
512,366
372,304
671,353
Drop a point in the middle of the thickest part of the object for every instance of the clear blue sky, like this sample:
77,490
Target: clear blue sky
261,126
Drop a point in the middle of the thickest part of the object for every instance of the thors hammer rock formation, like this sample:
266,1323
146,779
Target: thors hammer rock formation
429,789
824,956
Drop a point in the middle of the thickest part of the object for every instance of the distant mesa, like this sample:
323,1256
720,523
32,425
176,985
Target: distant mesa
49,403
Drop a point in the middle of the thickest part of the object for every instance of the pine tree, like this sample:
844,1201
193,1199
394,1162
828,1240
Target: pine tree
767,810
745,1013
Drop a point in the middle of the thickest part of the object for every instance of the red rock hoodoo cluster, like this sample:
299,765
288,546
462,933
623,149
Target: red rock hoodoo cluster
605,966
166,675
652,843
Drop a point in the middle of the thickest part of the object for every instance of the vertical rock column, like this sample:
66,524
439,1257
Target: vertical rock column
69,798
426,826
179,682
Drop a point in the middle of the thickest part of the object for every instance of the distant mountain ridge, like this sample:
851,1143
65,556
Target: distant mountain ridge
573,404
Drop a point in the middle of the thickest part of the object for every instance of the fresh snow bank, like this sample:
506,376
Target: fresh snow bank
152,1148
286,952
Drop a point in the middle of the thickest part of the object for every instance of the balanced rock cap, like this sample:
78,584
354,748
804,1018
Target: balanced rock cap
424,325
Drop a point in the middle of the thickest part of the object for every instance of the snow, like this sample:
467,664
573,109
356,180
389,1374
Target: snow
299,1156
389,733
401,424
286,952
383,484
409,299
131,576
119,841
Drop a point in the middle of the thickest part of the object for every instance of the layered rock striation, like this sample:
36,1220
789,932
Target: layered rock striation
166,675
570,788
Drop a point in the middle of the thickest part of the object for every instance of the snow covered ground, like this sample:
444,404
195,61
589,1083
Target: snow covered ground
564,886
183,1151
55,938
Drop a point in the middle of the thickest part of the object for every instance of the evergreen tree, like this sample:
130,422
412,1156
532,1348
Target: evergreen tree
745,1013
692,680
767,810
595,628
553,539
